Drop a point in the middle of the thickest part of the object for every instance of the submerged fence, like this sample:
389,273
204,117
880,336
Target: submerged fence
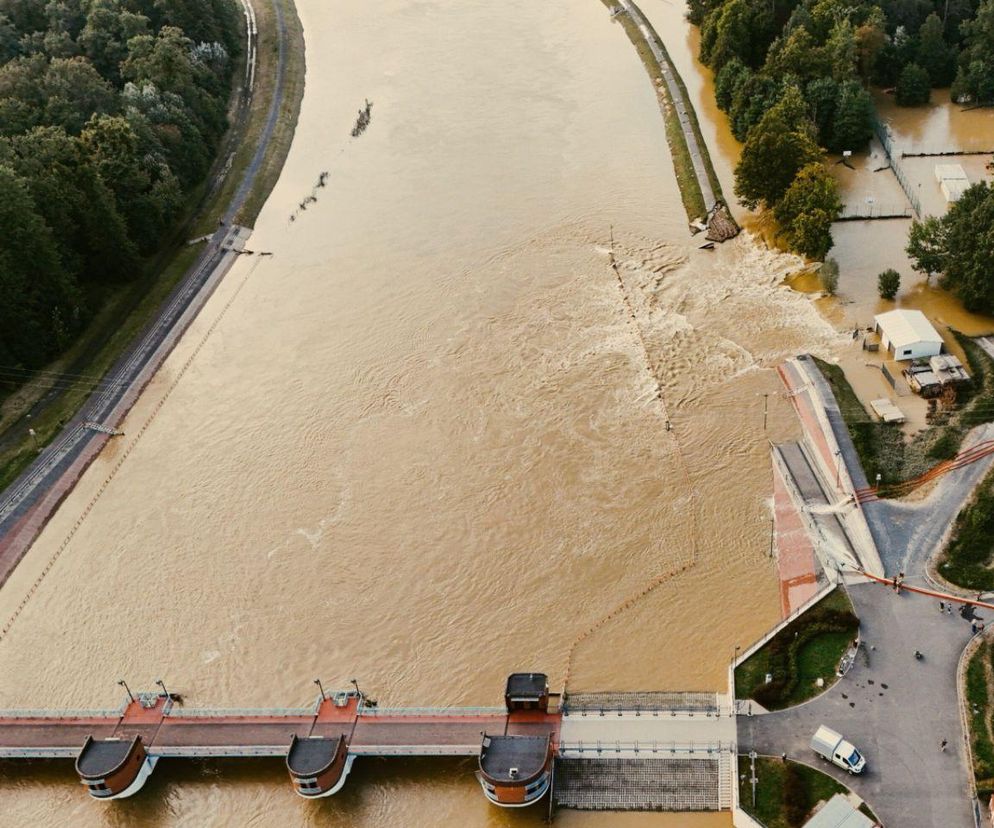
872,210
883,134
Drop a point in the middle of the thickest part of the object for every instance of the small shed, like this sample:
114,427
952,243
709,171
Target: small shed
839,812
907,334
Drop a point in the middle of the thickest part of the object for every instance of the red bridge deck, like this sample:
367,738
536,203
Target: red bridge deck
169,732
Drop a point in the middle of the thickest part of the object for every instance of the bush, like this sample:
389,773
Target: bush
829,275
888,283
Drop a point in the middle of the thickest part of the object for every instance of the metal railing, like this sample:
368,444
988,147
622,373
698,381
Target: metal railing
600,748
432,711
243,712
61,714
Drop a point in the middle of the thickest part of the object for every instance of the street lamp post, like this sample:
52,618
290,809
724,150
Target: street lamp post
317,681
162,684
124,684
355,684
838,469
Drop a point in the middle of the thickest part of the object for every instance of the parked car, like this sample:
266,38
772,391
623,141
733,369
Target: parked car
831,746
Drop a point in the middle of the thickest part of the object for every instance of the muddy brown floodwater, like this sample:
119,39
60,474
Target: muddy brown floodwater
422,444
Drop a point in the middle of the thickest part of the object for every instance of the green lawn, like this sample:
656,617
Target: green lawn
968,558
808,648
786,792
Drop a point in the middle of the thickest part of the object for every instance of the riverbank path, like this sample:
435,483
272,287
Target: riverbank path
28,503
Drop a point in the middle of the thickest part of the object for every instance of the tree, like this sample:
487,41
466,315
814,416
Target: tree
728,81
913,86
829,275
807,210
40,307
69,195
871,37
778,147
841,51
822,95
975,78
888,283
927,245
934,55
726,35
754,97
798,55
74,92
968,248
853,125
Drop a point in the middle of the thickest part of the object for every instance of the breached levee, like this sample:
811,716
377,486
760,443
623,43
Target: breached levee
699,186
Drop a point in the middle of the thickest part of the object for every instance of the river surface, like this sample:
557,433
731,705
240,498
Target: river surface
424,443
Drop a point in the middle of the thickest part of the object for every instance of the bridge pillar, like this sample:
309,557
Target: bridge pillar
318,765
114,768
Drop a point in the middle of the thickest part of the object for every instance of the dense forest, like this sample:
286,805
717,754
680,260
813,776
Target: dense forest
110,114
793,78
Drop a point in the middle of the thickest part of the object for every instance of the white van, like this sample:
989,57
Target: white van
831,746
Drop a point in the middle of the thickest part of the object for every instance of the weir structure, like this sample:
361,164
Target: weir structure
594,751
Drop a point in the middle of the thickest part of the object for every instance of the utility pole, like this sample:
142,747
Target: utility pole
773,532
766,408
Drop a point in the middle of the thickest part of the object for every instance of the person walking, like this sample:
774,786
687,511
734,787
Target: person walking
942,747
942,606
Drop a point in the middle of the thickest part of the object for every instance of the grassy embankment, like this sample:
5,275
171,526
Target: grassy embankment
881,446
808,648
786,792
980,709
125,312
968,559
690,191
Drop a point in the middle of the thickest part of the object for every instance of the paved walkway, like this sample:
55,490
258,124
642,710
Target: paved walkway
680,103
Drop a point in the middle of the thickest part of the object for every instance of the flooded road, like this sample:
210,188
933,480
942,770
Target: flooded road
425,444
